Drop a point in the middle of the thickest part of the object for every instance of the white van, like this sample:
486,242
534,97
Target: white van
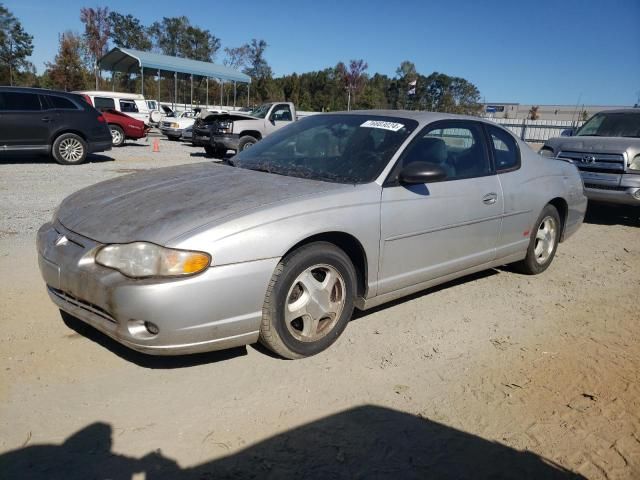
132,104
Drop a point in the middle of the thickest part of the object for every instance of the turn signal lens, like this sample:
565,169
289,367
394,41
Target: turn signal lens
142,259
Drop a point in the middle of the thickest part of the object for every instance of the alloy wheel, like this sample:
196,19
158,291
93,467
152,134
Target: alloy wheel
71,150
545,241
315,303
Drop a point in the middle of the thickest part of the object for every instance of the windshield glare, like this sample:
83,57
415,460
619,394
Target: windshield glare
335,148
260,111
612,125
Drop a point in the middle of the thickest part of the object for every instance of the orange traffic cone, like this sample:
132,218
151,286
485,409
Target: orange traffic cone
156,145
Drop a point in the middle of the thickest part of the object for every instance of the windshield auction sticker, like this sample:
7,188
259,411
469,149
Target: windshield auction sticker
394,127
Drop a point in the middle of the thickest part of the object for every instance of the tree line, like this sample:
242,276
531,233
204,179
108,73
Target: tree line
345,85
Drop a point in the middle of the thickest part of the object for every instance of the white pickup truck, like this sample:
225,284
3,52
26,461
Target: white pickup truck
240,130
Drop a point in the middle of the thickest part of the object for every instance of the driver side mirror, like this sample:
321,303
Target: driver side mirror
568,132
421,172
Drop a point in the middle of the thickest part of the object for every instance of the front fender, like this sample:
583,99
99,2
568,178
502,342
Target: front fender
270,232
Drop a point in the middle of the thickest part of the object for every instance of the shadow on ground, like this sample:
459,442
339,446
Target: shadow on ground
365,442
144,360
610,214
26,158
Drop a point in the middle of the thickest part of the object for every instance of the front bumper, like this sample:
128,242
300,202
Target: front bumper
217,309
623,189
172,132
100,145
621,195
229,141
201,137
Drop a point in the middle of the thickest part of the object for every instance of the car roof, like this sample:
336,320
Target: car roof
421,116
105,93
42,91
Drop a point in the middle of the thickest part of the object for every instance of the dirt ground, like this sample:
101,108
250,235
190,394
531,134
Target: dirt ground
496,375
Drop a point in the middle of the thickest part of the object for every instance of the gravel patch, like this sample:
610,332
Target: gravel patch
32,187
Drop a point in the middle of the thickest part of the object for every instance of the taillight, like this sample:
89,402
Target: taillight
101,119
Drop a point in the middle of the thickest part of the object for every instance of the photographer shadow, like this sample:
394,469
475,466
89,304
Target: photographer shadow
364,442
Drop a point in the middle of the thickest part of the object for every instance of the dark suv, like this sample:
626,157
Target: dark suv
47,121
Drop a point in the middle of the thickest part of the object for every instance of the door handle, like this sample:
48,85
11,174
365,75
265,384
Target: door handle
490,198
46,119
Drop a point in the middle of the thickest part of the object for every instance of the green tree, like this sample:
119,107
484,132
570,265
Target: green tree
199,44
259,70
96,35
126,31
67,72
441,93
176,36
16,46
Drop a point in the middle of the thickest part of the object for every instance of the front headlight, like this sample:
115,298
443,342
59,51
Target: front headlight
175,125
547,152
635,163
225,126
142,259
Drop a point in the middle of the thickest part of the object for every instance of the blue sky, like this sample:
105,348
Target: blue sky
539,52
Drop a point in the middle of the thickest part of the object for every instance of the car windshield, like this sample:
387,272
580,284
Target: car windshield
336,148
261,111
612,125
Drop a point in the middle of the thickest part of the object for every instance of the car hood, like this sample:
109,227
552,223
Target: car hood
185,122
161,204
596,145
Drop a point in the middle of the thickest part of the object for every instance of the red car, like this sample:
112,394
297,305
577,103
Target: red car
122,126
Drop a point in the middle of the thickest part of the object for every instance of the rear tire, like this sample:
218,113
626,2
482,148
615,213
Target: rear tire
69,149
117,135
543,242
246,142
309,301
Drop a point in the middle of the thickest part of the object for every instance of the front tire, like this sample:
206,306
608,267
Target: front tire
543,242
69,149
309,301
117,135
246,142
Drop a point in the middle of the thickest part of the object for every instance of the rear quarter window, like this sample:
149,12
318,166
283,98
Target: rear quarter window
505,149
61,103
104,103
128,106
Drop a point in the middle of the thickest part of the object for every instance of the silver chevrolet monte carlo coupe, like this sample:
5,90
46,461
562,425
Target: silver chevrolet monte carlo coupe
333,212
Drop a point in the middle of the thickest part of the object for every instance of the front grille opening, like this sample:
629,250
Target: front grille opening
90,307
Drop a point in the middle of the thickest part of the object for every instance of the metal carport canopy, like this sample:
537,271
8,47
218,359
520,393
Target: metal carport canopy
127,60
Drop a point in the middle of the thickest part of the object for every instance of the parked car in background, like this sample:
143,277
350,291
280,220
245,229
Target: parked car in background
156,112
239,130
335,211
180,125
131,104
173,127
606,150
62,124
121,125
